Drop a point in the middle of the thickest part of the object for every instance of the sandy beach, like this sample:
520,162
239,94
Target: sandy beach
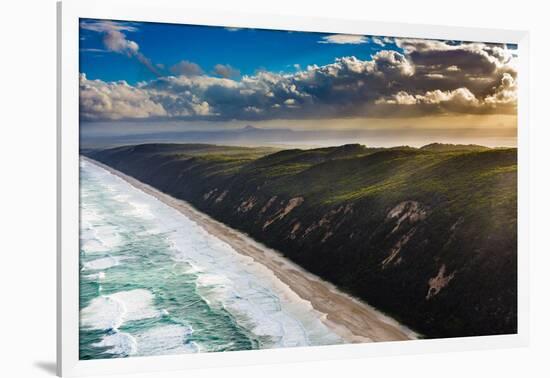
352,319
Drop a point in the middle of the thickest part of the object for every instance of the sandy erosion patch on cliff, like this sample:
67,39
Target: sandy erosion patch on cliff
268,204
221,197
394,252
206,196
295,229
326,221
437,283
411,211
247,205
291,205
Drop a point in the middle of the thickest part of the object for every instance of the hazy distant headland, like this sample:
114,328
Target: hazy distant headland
427,235
281,137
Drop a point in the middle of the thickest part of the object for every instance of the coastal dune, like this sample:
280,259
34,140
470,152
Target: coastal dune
350,318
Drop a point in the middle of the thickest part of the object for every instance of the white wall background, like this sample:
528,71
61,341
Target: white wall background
27,190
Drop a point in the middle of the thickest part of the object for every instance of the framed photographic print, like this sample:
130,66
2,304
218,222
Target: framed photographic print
240,189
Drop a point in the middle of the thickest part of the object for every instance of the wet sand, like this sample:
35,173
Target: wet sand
350,318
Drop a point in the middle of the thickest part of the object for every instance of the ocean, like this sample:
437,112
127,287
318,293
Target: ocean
153,282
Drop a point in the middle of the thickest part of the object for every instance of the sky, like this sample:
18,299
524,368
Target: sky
151,77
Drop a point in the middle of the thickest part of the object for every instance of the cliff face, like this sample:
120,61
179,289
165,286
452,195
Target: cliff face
427,236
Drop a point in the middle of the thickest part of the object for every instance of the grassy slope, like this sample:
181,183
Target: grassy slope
341,230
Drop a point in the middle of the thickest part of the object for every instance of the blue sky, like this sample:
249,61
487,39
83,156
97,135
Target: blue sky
246,50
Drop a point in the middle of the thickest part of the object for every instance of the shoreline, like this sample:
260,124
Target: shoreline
350,318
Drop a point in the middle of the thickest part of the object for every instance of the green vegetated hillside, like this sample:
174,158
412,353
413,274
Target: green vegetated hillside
426,235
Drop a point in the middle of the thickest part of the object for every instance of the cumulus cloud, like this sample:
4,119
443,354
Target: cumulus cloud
461,100
117,100
424,78
505,93
342,39
378,41
437,101
116,41
226,70
186,68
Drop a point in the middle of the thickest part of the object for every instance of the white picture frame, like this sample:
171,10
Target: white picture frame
171,11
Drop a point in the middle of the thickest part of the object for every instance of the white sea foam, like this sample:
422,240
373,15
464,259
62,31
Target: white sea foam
104,262
121,198
89,216
86,232
138,304
102,313
139,209
96,276
91,246
108,236
118,343
166,339
111,311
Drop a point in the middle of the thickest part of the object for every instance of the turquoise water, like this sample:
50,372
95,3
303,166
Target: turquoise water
153,282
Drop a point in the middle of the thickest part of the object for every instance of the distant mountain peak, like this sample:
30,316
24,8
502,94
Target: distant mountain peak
250,128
